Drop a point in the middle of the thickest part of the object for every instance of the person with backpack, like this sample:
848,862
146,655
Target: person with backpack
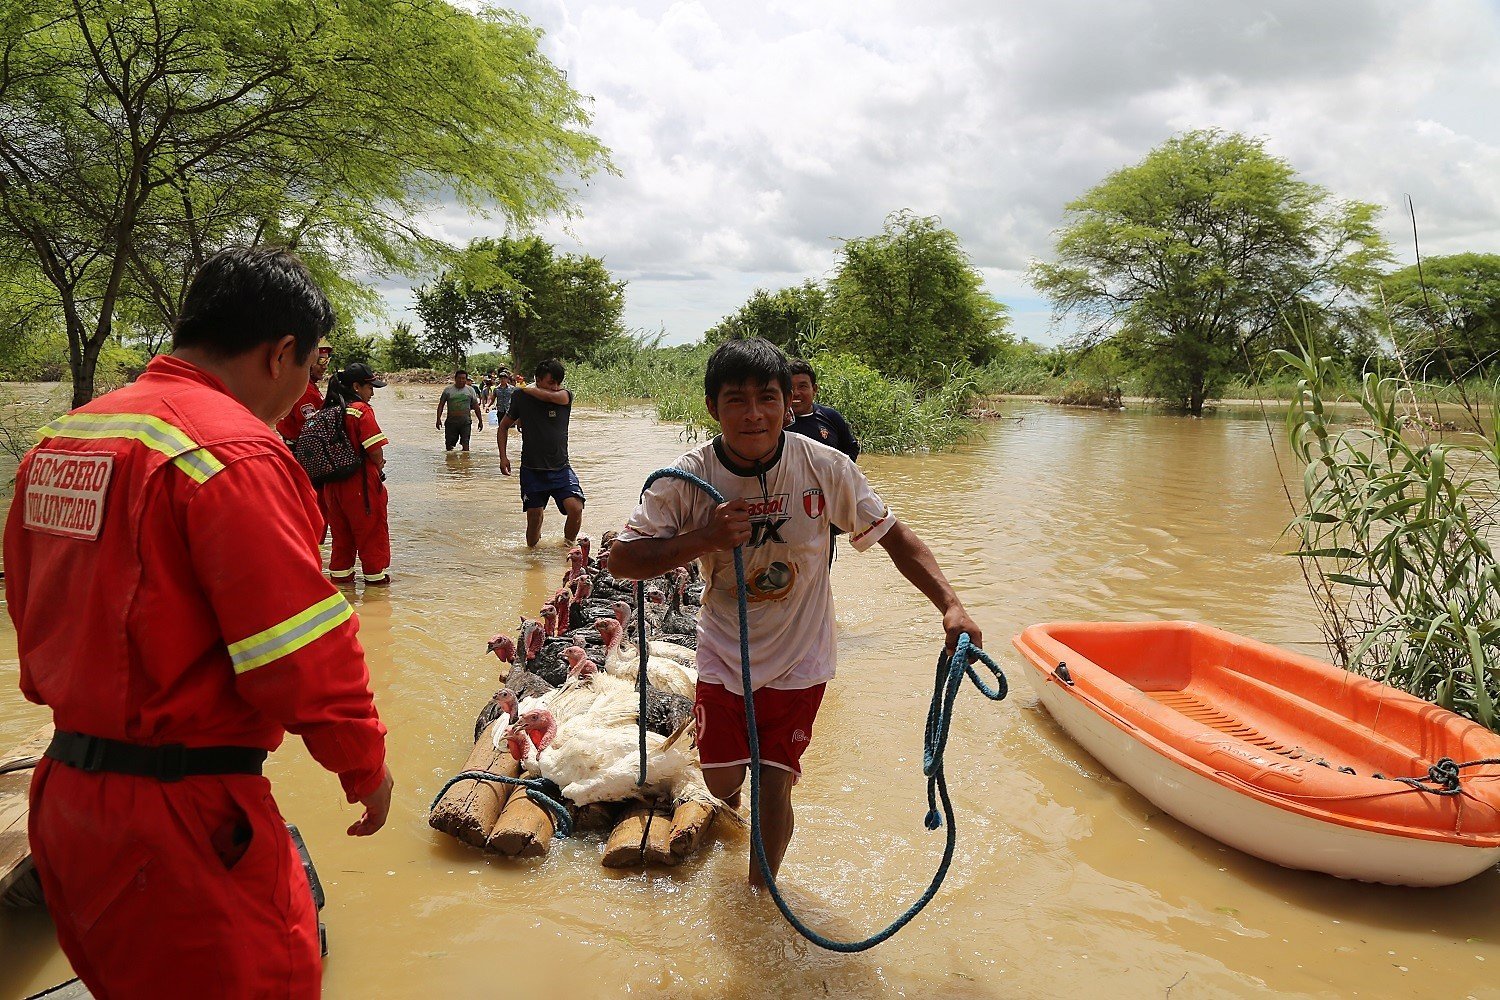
357,498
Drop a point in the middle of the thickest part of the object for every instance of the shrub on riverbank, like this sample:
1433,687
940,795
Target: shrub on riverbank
887,414
1395,538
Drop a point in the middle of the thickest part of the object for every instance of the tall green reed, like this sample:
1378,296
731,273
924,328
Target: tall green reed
1396,538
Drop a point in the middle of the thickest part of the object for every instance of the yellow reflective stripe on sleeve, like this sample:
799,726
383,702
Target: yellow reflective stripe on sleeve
153,432
199,465
375,439
291,635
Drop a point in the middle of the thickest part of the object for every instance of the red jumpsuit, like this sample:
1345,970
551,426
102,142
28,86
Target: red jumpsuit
290,426
163,574
290,429
357,506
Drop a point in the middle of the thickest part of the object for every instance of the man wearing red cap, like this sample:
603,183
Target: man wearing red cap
163,574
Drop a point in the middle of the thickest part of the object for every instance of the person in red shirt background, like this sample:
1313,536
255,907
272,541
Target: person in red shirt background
357,505
169,517
290,426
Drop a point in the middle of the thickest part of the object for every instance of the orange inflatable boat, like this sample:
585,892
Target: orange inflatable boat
1275,753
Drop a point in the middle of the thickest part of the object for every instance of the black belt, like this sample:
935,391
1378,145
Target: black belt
171,762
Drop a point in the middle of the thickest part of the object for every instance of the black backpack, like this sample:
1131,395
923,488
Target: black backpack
324,448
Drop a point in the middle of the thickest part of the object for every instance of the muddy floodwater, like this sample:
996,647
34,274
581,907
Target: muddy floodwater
1066,882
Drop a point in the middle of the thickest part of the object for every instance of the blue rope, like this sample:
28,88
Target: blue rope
641,681
951,672
536,786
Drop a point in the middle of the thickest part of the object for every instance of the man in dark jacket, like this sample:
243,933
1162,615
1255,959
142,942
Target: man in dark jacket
811,419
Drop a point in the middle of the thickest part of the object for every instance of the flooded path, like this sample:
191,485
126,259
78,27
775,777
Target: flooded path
1066,882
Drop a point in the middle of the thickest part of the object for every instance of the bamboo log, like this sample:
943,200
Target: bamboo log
524,829
594,817
690,826
626,845
658,846
469,810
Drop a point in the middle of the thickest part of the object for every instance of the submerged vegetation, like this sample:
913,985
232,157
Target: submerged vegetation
1396,537
889,414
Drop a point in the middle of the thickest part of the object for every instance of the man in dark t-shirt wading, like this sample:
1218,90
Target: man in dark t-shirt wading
542,409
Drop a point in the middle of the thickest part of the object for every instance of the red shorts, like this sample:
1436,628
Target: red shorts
783,720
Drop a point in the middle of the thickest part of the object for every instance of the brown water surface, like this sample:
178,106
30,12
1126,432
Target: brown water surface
1066,882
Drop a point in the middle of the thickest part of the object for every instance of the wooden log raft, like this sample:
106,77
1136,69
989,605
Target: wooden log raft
470,809
626,847
524,829
658,835
691,823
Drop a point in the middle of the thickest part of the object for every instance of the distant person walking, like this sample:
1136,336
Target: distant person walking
812,419
542,409
357,505
501,393
462,403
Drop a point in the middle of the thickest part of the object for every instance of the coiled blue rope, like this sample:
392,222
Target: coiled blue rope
536,786
951,672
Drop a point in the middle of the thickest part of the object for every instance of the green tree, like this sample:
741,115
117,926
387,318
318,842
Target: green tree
403,350
540,303
1192,258
139,136
448,319
1450,307
790,318
908,301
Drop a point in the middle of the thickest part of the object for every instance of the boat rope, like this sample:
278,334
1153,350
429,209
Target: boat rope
1444,774
951,672
536,787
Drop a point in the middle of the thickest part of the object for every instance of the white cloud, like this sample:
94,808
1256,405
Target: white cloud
752,136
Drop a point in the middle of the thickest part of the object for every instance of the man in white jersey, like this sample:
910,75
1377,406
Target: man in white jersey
784,492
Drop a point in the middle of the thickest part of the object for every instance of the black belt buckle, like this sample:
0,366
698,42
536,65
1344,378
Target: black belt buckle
90,756
171,762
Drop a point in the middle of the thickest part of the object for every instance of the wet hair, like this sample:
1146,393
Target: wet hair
243,297
460,372
552,367
799,367
751,360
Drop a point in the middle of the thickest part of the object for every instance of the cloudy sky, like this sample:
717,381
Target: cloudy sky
752,137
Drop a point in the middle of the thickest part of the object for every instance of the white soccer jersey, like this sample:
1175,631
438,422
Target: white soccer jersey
806,489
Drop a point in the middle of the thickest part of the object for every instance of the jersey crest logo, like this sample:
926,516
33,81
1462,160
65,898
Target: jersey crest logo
813,503
65,493
824,431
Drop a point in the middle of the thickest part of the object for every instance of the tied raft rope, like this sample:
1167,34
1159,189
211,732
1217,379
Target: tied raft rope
537,790
950,675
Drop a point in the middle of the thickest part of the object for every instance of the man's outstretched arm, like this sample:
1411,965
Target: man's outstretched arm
916,562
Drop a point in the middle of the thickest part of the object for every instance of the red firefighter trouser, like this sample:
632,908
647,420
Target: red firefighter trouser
355,530
142,881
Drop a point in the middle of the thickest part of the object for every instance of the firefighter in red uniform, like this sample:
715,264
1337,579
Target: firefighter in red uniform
163,574
290,426
357,505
